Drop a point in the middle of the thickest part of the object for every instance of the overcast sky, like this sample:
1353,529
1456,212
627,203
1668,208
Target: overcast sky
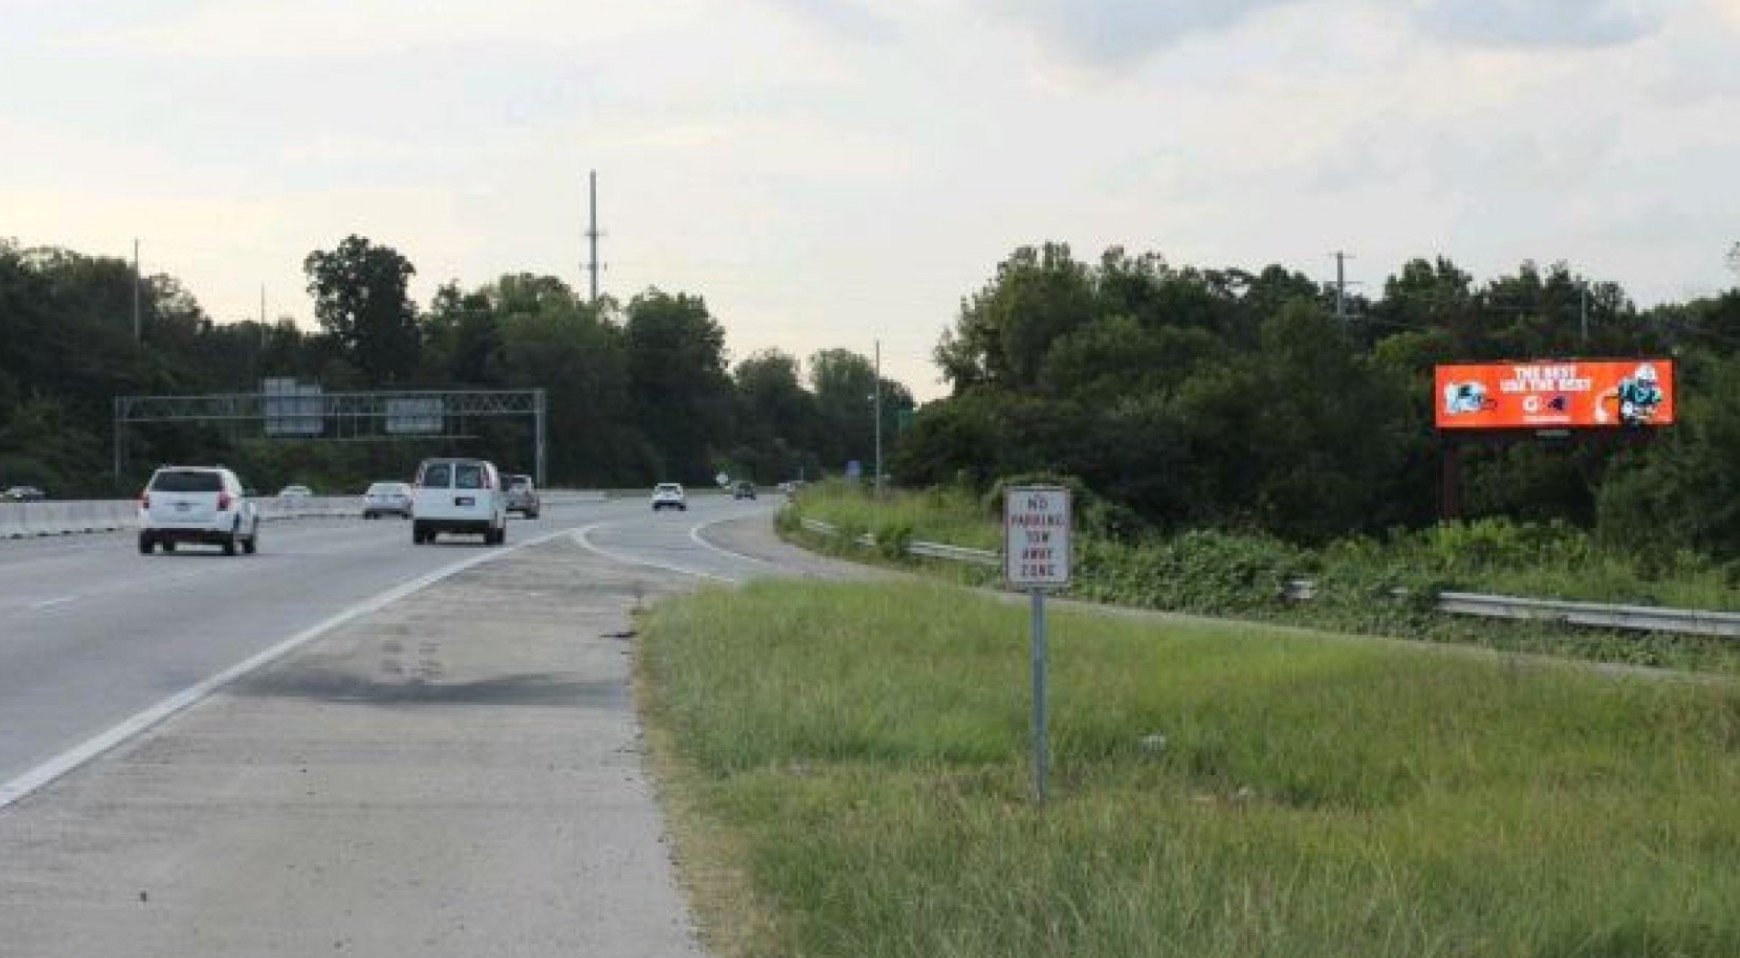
828,172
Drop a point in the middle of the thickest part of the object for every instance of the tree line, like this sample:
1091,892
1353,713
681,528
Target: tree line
638,392
1184,397
1224,398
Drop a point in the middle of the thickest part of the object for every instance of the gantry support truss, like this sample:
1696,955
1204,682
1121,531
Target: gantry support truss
402,414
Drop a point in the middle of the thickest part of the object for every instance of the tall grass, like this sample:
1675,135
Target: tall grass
940,514
1384,586
1218,790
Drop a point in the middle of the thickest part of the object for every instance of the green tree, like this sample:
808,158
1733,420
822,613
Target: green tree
360,298
844,384
778,421
581,359
676,374
1005,330
464,338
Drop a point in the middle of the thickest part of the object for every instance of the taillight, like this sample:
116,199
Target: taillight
223,501
144,500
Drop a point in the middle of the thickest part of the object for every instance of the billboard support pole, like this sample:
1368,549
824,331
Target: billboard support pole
1450,478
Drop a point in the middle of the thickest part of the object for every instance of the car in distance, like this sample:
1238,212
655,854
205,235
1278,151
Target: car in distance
458,496
295,492
387,499
668,495
23,494
522,496
744,489
197,504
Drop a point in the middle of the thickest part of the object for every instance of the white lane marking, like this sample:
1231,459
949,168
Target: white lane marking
583,538
96,745
695,535
51,603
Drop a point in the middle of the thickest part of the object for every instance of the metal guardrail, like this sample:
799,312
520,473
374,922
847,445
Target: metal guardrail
1636,618
1641,618
948,553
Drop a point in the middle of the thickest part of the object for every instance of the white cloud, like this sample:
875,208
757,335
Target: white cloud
1532,23
827,173
858,20
1115,33
345,29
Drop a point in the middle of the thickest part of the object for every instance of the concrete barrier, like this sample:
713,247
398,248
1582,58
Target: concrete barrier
25,519
12,520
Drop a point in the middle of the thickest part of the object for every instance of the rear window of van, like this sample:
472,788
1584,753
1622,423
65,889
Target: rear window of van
468,475
437,474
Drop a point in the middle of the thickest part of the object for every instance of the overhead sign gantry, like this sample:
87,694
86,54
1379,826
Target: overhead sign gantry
306,412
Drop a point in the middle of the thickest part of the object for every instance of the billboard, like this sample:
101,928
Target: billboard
1569,394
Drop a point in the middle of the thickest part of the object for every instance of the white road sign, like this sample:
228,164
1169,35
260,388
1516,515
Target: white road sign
1036,535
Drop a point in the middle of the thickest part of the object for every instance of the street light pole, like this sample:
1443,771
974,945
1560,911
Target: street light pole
878,485
135,291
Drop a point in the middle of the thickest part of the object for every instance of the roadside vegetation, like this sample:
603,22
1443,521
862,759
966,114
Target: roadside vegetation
859,755
638,390
1382,586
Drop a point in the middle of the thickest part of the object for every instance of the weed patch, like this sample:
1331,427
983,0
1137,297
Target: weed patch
1369,586
1220,790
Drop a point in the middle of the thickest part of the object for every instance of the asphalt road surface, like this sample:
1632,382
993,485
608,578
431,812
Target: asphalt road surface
449,769
91,632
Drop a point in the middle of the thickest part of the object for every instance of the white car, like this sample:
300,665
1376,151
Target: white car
668,495
387,499
203,504
458,495
295,492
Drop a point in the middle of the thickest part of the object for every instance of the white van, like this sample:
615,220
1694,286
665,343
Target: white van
458,495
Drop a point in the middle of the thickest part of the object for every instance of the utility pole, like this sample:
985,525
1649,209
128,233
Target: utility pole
592,231
136,330
878,486
1341,286
1583,313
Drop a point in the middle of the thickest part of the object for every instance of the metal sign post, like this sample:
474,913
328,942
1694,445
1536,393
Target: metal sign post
1037,657
1036,526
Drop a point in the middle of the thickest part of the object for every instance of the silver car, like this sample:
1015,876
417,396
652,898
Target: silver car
522,496
387,499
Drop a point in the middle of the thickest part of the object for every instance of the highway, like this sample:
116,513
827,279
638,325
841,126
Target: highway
349,744
92,633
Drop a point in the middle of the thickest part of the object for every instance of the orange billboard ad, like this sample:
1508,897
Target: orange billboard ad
1565,394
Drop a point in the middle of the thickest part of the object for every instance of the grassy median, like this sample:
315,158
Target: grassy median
858,756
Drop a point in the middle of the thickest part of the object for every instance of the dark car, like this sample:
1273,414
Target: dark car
743,490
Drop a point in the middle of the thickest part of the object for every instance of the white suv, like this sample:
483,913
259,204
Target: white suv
202,504
458,495
668,495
